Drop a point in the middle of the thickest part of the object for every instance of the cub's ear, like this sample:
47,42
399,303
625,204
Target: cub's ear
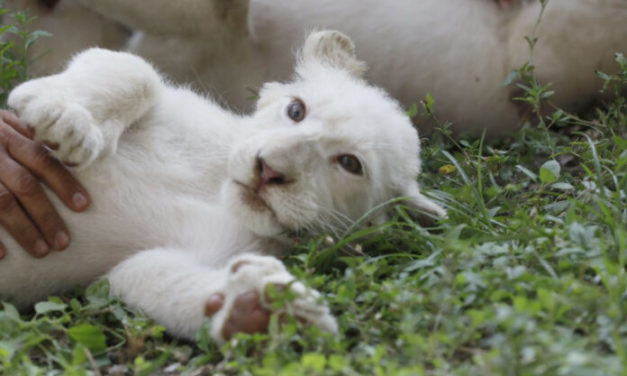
332,48
427,211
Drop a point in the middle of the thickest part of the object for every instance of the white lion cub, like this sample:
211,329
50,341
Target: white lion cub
189,199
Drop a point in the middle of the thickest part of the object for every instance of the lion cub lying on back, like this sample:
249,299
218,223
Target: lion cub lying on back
187,197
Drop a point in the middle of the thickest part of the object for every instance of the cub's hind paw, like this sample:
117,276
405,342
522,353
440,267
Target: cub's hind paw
246,316
246,307
58,121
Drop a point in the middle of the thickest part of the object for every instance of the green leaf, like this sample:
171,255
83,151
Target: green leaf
412,111
546,298
75,305
89,336
45,307
98,294
79,357
32,37
563,186
429,101
4,28
203,336
314,361
511,77
8,349
11,311
620,142
527,172
337,363
549,172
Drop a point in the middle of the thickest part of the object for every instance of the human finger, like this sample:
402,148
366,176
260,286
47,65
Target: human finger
37,158
32,198
11,119
16,223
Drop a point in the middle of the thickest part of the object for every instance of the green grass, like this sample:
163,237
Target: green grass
526,277
15,42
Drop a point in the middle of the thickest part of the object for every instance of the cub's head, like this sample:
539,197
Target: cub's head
327,148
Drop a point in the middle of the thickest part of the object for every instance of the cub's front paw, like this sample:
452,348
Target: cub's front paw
58,121
244,305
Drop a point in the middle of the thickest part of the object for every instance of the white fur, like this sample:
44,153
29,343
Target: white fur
171,176
458,50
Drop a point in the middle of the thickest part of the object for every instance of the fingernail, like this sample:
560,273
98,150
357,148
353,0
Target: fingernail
79,200
41,248
61,240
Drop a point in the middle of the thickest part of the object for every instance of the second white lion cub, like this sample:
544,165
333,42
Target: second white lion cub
189,199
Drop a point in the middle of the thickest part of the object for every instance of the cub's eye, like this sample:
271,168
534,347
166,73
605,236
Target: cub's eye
296,110
350,163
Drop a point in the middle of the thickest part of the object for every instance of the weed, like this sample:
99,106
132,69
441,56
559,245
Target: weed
15,41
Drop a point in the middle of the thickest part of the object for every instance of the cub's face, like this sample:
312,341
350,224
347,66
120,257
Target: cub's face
325,150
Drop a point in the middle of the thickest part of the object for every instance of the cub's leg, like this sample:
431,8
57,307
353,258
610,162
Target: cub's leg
176,289
81,112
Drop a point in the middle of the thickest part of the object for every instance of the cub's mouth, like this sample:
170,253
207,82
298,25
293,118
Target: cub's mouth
264,178
251,197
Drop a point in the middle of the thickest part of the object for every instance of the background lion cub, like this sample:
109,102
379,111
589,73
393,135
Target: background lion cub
460,51
187,197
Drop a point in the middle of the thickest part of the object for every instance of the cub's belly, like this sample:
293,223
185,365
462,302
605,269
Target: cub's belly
102,237
123,218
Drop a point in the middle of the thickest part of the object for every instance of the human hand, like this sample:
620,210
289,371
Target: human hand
25,211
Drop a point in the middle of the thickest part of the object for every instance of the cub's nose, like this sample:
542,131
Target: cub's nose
266,175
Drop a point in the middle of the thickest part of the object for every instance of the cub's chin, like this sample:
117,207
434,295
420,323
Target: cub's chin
252,210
